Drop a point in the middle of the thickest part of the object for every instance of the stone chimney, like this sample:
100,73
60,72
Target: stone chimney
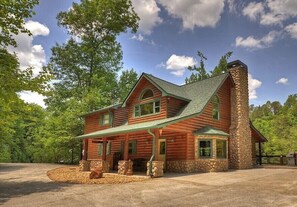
240,144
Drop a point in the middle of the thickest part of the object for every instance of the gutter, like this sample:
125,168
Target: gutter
153,152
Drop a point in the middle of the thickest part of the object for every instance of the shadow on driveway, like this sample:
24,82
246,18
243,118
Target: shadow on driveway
4,168
12,189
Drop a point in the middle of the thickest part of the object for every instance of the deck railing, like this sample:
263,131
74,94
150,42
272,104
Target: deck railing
273,159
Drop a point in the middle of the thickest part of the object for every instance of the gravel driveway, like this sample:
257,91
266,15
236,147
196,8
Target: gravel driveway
28,185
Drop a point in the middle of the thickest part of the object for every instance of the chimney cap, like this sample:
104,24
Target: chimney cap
236,63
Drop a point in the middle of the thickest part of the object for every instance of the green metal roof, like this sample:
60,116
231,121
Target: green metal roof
114,106
199,94
210,131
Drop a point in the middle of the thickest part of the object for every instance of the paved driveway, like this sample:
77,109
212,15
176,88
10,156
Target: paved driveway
28,185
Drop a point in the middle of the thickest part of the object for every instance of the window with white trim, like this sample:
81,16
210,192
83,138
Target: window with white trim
205,148
147,108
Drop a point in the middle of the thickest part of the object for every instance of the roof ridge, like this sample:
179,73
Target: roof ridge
199,81
162,79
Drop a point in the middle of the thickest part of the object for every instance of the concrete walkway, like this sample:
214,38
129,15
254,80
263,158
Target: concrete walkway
28,185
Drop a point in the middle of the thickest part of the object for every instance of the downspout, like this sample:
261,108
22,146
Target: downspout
153,152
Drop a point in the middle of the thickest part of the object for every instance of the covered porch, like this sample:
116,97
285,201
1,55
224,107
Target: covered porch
131,148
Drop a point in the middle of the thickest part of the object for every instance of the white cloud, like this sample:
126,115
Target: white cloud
30,55
232,5
36,28
202,13
178,64
32,97
253,10
253,43
137,37
292,30
148,12
284,81
253,85
271,12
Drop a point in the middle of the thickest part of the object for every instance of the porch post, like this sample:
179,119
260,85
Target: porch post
260,153
104,149
126,148
85,149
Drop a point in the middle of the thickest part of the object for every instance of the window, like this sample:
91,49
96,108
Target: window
131,147
147,94
221,148
147,108
162,148
105,119
100,148
215,107
205,149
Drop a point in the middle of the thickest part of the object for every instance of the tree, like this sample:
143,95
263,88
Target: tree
85,68
89,65
12,81
126,83
278,123
12,16
200,72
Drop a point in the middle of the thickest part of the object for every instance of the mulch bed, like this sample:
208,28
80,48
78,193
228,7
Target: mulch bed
73,175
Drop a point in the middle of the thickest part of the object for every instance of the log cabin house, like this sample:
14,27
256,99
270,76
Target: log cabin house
198,127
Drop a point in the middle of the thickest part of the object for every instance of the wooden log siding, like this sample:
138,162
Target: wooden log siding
206,119
120,117
135,100
92,123
174,105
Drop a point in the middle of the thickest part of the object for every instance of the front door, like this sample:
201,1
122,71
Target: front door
162,151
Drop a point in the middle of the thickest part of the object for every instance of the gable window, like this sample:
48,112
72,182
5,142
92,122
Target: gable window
216,108
205,149
221,148
148,93
105,119
131,147
147,108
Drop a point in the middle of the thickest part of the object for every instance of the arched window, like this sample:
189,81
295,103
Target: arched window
147,94
216,107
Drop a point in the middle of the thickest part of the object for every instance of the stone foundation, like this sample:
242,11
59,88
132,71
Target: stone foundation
84,165
125,167
104,165
157,169
201,165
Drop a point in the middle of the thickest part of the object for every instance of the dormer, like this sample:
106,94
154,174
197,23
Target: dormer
153,99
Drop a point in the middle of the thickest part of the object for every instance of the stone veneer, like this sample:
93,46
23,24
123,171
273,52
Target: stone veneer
125,167
240,134
84,165
201,165
157,169
212,164
104,165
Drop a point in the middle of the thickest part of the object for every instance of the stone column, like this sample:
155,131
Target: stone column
240,133
157,169
125,167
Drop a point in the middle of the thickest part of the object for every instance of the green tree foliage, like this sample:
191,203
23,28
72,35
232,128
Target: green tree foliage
126,83
278,123
12,18
200,73
12,108
85,69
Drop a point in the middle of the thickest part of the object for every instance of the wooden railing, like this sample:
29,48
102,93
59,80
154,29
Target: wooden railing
273,159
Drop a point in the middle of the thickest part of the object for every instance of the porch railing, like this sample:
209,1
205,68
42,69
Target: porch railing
273,159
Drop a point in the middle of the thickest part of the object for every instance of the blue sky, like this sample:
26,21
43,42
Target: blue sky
262,34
